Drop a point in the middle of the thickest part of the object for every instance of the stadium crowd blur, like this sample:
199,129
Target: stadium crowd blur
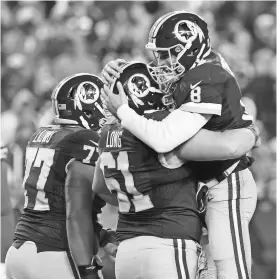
44,41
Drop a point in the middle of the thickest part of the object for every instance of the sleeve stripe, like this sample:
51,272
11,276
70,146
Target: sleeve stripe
207,108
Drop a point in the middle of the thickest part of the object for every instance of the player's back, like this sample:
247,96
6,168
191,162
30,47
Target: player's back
211,88
153,200
48,154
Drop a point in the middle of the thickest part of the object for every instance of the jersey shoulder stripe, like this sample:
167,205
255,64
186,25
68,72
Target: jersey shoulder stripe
205,108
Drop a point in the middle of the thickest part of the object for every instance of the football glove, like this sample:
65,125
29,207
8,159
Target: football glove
202,201
202,197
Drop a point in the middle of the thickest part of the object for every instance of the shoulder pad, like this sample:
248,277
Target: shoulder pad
205,74
82,145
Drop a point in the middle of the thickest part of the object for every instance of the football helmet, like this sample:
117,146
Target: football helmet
142,91
183,39
76,101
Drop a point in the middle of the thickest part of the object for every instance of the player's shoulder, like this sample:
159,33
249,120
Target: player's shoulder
48,136
107,129
81,144
84,136
213,70
79,136
218,67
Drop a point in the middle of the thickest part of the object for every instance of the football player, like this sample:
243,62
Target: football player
158,210
206,94
54,236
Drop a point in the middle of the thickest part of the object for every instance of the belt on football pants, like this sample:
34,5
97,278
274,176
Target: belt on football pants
214,181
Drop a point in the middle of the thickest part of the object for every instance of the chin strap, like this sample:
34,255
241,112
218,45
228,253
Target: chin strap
84,122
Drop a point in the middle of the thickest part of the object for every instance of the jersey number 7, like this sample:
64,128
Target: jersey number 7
131,195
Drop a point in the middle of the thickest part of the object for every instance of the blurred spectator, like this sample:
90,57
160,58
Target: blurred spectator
22,112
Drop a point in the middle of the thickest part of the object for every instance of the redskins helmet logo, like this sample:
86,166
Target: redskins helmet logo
187,31
138,85
87,93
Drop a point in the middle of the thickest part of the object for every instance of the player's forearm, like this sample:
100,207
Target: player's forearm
80,238
164,136
208,146
79,202
240,140
204,146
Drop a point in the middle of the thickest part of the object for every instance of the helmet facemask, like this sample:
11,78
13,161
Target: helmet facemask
165,75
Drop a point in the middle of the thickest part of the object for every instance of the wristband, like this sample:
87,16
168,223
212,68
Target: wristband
96,264
86,269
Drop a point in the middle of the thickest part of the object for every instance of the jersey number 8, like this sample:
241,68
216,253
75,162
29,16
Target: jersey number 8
195,94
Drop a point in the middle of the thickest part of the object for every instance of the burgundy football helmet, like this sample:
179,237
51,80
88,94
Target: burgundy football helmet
182,35
76,100
142,91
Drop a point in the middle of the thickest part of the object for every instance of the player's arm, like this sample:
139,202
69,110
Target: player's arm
100,188
209,146
162,136
78,197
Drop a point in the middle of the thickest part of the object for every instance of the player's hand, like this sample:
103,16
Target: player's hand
107,236
110,250
111,101
112,70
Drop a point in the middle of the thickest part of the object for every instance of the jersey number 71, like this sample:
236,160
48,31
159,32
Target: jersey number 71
132,196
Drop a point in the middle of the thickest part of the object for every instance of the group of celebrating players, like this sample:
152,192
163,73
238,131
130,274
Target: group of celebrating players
166,142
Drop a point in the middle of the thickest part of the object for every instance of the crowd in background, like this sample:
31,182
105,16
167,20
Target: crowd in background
45,41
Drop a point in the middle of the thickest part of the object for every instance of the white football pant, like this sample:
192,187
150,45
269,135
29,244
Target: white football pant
230,208
149,257
26,263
